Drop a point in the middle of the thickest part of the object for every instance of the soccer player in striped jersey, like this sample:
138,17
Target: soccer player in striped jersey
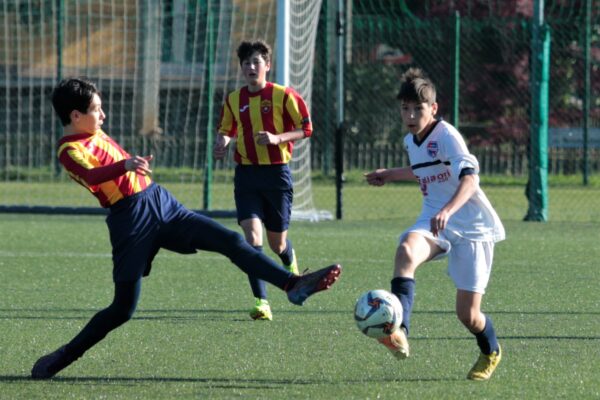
456,220
143,218
267,119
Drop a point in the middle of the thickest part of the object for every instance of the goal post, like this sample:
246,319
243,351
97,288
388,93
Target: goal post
297,22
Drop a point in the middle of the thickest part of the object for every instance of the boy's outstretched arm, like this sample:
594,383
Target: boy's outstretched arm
382,176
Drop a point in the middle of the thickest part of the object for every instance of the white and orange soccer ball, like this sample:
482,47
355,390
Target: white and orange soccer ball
378,313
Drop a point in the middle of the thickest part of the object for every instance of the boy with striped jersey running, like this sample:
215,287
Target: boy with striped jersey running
267,119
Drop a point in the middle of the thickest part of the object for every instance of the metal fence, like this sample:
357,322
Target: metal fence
478,52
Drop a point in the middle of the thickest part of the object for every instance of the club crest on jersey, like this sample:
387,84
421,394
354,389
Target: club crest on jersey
432,149
265,106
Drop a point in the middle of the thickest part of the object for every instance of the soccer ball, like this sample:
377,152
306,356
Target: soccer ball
378,313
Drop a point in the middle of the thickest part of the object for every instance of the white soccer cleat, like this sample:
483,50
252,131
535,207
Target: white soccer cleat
397,344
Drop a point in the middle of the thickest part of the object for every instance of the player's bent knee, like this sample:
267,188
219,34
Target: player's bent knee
123,317
405,263
278,248
405,253
122,314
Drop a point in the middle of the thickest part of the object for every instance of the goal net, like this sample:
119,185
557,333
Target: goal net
164,68
302,31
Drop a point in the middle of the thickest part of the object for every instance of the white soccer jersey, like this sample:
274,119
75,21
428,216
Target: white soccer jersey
437,162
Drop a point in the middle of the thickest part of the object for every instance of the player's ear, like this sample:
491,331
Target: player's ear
434,108
75,115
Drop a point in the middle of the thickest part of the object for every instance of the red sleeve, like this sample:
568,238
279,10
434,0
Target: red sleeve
93,176
297,110
227,123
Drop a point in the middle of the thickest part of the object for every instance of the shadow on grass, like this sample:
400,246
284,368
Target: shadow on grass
147,314
299,310
239,315
507,337
214,383
494,312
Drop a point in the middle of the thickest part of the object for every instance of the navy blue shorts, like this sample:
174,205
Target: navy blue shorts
265,192
142,224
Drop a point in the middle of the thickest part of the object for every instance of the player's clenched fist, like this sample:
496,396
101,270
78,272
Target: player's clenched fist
377,177
220,147
141,165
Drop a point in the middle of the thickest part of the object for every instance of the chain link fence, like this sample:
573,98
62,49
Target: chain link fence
478,52
479,55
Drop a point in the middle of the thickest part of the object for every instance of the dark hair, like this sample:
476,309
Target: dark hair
72,94
416,87
245,50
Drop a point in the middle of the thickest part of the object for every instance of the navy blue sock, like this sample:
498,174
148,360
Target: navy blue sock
287,255
207,234
256,263
404,289
486,339
258,286
119,312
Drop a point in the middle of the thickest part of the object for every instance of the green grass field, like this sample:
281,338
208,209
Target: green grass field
192,337
567,202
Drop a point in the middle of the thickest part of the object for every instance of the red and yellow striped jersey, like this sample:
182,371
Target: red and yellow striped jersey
98,163
276,109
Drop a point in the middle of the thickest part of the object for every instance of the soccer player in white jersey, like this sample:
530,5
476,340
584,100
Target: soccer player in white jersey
456,220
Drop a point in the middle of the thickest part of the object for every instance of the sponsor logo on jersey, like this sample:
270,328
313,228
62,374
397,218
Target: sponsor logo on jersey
423,187
244,108
432,149
425,181
265,106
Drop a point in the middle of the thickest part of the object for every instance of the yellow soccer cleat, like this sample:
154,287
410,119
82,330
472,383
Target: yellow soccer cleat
293,267
485,366
397,344
261,311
